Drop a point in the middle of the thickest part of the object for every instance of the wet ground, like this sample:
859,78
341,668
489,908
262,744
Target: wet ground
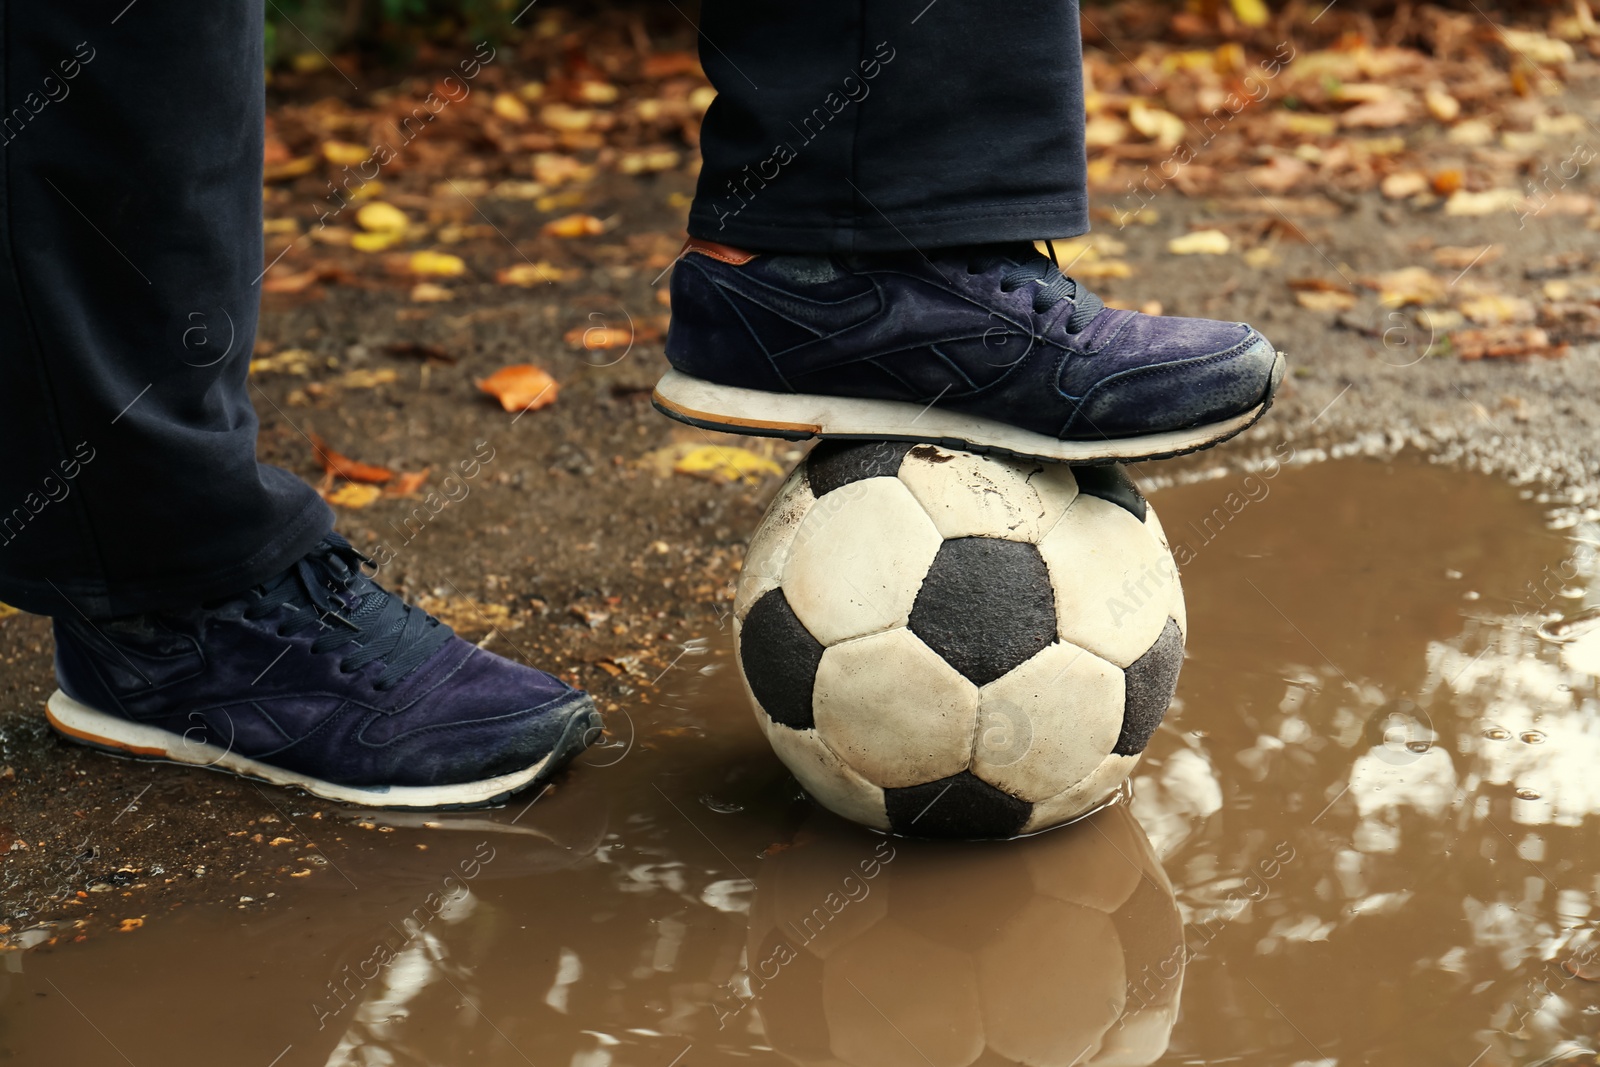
1366,834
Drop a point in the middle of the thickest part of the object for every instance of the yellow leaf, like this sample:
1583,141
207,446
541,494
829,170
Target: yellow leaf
1252,13
1162,127
363,378
726,463
129,924
353,495
289,361
1201,243
1407,286
510,108
528,275
1492,309
344,153
563,117
437,264
1484,203
574,226
376,242
1330,300
378,217
429,293
1309,125
6,611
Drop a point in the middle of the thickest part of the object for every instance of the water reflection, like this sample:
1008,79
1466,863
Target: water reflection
1064,948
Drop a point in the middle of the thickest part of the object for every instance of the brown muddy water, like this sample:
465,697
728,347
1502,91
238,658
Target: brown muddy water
1366,834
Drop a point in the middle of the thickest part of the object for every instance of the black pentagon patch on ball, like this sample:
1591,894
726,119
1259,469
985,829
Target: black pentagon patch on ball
986,605
1151,681
833,464
1111,483
960,806
780,659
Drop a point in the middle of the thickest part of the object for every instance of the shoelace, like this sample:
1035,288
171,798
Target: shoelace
329,591
1054,286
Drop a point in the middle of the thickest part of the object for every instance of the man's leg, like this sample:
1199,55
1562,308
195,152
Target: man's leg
204,613
862,261
130,255
865,126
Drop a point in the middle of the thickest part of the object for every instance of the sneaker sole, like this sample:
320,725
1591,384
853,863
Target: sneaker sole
83,724
798,416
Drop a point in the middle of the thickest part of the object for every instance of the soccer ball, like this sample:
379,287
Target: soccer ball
1057,950
942,644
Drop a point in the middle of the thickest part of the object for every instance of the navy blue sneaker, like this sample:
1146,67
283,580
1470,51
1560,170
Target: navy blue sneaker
322,680
989,349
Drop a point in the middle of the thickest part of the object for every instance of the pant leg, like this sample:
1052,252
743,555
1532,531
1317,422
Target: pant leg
130,248
876,125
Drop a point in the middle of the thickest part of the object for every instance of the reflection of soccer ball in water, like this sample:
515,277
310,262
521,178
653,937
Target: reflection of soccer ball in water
950,645
1061,949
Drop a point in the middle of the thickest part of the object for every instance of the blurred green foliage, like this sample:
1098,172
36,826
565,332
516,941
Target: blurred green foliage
391,27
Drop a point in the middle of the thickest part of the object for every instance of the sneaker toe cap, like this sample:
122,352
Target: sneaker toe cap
1199,385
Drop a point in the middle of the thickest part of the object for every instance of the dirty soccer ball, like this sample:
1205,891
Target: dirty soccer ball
942,644
1060,950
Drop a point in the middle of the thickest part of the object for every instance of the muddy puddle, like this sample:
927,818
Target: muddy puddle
1366,834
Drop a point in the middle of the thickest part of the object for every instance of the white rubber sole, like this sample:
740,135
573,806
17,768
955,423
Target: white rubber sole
797,416
84,724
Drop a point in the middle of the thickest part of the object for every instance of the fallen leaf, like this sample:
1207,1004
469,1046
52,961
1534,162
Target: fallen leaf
1201,243
1453,257
1448,182
1493,309
510,107
294,168
129,924
593,338
6,610
286,282
1162,127
1252,13
376,241
1318,285
1441,105
1537,48
437,264
379,217
1328,300
1485,203
353,495
345,467
465,615
725,463
574,226
429,293
289,361
344,153
522,387
1407,286
649,161
564,117
365,378
406,483
1505,342
528,275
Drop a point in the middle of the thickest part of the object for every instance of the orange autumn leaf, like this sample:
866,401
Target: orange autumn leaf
407,482
522,387
574,226
345,467
594,337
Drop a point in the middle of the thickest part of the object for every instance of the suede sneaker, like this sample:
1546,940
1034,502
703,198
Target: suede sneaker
322,680
987,349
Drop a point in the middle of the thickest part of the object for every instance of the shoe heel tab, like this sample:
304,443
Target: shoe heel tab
738,257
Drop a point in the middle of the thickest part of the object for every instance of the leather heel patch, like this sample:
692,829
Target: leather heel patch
738,257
